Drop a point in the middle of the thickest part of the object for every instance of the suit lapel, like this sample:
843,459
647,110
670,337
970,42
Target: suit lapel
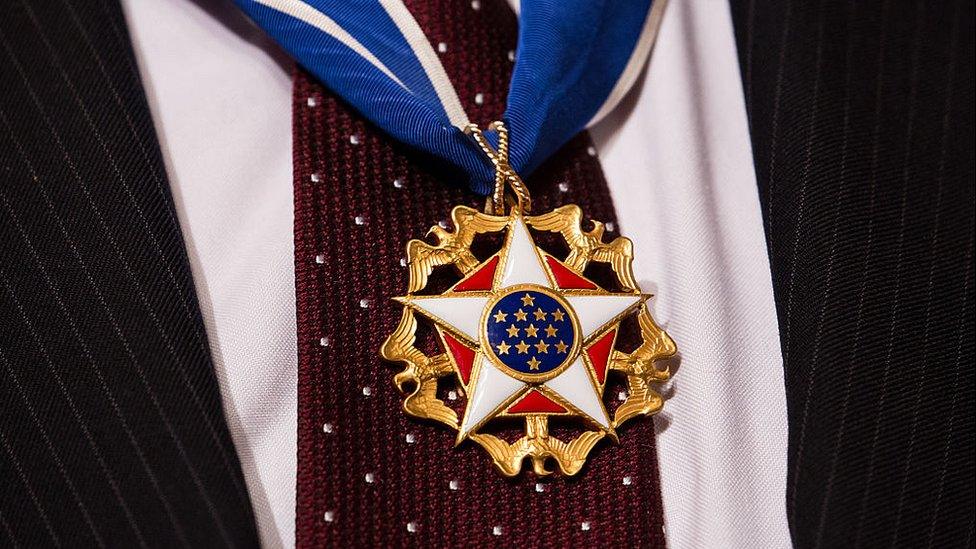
862,126
111,426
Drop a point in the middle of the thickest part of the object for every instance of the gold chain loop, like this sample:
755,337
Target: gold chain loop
505,175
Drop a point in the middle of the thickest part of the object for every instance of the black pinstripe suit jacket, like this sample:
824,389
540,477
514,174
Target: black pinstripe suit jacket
111,429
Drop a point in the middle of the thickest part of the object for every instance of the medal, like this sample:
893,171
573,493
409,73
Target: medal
526,335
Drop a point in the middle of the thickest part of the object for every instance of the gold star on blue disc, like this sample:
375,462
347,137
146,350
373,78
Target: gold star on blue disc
507,335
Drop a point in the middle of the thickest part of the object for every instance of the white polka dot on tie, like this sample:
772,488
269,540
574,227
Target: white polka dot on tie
497,531
410,438
621,396
452,395
397,184
479,99
315,178
591,150
370,478
359,220
476,5
320,259
453,485
610,226
403,262
511,55
564,187
329,516
328,428
324,341
364,303
367,391
584,526
539,487
312,102
442,47
354,139
628,481
412,527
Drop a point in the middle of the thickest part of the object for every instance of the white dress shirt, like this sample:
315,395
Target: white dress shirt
677,158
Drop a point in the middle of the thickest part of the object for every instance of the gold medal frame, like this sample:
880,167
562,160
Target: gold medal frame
418,380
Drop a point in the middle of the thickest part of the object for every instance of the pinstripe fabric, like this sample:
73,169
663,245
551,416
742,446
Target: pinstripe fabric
862,124
111,428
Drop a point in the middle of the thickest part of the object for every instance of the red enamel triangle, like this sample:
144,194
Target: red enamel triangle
480,279
599,354
463,357
566,278
535,402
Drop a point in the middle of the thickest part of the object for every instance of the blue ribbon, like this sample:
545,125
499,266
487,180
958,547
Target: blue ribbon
570,56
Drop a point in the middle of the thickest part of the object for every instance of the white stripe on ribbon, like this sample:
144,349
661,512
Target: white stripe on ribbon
636,62
516,6
429,60
326,24
431,63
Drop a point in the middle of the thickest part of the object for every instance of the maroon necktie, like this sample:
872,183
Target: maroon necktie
369,475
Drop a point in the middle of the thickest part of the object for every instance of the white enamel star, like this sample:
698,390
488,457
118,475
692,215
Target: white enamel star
491,388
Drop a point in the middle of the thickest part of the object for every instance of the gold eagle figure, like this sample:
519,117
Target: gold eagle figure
586,246
641,371
421,371
538,445
451,248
